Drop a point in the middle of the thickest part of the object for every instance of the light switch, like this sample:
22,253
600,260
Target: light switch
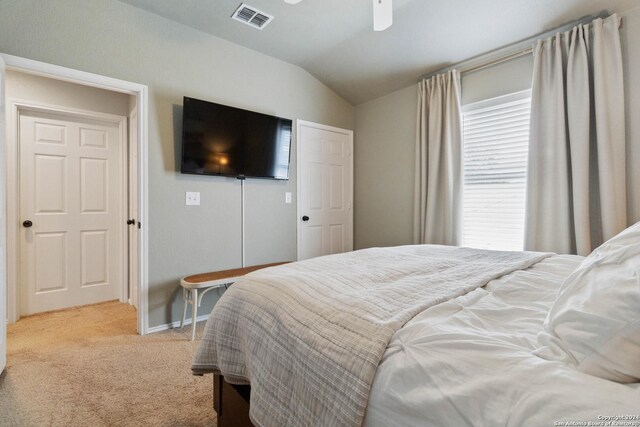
193,198
287,197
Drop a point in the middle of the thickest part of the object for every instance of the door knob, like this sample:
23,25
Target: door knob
305,218
27,223
131,221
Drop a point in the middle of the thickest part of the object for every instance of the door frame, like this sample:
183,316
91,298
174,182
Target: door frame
349,133
3,228
15,108
140,92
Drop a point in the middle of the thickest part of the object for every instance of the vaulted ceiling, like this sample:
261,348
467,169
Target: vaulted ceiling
335,42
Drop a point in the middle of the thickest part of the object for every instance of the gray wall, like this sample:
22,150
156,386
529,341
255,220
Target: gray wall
384,153
503,79
111,38
28,87
385,142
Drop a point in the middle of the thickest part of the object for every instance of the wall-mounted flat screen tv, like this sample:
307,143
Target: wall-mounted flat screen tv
222,140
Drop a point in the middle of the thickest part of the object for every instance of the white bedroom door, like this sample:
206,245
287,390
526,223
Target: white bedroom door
71,211
134,218
325,190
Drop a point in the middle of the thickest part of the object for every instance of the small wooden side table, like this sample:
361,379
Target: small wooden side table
194,287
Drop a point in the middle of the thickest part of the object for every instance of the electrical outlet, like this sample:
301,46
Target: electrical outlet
193,198
287,197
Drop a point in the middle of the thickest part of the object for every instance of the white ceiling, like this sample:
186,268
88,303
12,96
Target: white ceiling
334,40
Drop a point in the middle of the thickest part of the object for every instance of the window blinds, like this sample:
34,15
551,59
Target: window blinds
495,139
282,163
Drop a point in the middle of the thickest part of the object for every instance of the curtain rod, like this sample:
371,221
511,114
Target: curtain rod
510,52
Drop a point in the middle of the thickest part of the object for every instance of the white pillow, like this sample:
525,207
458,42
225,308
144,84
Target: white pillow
595,321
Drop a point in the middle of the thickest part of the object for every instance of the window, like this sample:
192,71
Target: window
496,145
282,156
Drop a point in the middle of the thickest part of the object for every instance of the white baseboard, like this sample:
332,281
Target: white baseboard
175,325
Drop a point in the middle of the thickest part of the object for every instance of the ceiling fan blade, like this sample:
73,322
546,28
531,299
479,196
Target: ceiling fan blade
292,1
382,14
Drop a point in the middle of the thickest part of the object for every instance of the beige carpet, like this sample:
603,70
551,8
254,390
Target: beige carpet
87,367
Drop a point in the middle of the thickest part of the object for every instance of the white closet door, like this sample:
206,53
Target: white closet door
70,209
326,190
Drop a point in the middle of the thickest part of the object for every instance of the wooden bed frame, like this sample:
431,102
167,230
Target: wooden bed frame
231,403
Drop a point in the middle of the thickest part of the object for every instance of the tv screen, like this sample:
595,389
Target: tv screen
222,140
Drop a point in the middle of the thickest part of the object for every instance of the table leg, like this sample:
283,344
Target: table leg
194,312
185,297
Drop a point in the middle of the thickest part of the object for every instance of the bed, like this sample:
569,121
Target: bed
427,335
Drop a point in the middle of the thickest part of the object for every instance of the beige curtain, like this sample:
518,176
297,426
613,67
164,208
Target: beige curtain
438,184
576,181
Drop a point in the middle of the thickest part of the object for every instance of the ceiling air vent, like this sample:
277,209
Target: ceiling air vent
251,16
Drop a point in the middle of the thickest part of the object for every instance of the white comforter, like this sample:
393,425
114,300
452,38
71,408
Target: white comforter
469,362
308,336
